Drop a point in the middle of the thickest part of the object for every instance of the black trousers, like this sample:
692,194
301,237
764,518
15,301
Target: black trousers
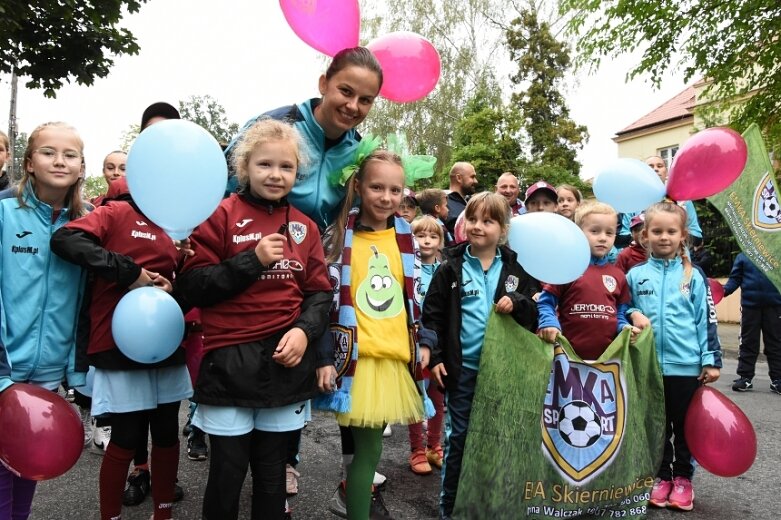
677,458
265,454
753,321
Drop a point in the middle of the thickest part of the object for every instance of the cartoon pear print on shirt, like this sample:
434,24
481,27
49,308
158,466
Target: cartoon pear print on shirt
379,295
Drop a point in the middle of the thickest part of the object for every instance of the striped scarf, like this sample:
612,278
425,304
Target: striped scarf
344,326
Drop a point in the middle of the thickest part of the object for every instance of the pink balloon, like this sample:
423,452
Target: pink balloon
410,65
719,434
329,27
459,229
716,290
707,164
42,433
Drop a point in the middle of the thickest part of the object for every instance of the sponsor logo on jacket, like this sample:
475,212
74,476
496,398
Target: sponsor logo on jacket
251,237
143,234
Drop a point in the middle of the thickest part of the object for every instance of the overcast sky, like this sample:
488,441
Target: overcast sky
250,61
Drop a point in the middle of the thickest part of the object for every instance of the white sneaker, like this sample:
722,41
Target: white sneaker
387,432
86,423
101,437
379,479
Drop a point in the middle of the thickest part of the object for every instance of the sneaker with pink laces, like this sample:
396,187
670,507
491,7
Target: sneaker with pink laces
682,495
660,492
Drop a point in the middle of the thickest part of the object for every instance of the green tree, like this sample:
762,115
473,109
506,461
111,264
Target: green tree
487,137
466,41
542,62
734,44
93,186
207,112
128,136
51,41
20,145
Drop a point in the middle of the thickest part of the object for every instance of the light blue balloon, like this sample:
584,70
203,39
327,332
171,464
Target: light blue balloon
176,173
628,185
147,325
87,388
550,247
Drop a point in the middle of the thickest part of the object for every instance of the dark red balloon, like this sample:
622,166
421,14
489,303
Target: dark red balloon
716,290
719,434
42,436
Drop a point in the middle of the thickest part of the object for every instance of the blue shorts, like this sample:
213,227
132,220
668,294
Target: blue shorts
232,421
122,391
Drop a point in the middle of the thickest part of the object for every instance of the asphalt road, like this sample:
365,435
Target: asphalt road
753,496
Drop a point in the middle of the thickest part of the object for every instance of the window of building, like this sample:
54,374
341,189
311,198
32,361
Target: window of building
668,154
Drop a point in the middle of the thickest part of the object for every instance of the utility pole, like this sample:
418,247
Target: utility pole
9,170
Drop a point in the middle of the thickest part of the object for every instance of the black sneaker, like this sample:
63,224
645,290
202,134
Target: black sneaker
178,493
378,511
137,488
743,384
775,386
196,445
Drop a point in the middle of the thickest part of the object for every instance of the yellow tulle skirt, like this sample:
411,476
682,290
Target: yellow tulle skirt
382,392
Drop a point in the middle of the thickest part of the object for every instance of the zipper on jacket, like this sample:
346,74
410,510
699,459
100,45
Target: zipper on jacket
665,263
46,277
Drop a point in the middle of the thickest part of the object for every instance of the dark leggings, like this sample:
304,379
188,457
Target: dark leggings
265,454
128,430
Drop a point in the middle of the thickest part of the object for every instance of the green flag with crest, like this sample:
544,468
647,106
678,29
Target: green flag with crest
750,206
551,436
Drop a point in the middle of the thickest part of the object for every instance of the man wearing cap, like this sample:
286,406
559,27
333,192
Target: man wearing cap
541,196
463,182
635,253
507,187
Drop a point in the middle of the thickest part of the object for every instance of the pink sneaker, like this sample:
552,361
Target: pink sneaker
682,495
660,492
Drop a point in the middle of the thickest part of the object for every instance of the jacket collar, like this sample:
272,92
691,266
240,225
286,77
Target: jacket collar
41,208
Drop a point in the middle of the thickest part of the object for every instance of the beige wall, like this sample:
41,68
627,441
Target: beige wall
728,309
642,146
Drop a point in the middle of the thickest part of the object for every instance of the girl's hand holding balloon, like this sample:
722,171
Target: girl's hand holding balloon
185,247
147,278
271,249
291,347
709,375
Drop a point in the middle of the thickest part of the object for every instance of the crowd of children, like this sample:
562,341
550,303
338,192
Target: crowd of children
312,290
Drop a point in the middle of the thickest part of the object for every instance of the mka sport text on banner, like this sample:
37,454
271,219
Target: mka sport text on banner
750,205
551,436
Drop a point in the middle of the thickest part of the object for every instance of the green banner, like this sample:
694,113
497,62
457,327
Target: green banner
751,208
553,437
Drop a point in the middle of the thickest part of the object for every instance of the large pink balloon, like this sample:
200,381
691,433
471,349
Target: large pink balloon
329,26
42,433
719,434
707,164
716,290
410,65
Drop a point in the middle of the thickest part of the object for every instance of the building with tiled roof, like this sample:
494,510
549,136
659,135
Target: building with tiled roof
662,130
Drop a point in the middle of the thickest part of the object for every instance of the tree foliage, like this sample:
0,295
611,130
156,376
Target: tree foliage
20,145
207,112
542,62
93,186
460,31
51,41
487,137
733,44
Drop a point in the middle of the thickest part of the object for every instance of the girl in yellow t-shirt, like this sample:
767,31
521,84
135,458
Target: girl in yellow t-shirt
373,263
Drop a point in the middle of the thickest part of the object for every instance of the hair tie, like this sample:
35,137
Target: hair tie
415,167
366,146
